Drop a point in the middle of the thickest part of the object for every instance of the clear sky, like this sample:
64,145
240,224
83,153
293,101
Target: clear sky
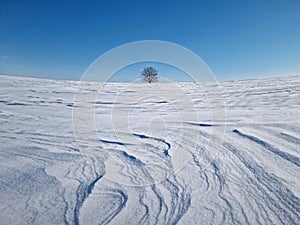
237,39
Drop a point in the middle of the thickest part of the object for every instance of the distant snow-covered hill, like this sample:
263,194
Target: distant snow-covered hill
117,153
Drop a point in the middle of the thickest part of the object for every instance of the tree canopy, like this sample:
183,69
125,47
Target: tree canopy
149,74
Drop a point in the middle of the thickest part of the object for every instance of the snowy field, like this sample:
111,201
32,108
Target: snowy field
141,161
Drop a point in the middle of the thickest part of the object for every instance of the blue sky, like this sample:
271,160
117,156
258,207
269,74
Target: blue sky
133,72
237,39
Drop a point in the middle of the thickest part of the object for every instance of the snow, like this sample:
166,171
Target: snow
89,153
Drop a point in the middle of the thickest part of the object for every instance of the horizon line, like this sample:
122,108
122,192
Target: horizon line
75,80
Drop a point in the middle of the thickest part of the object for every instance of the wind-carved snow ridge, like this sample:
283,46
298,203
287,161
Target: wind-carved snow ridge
50,177
271,148
83,192
157,139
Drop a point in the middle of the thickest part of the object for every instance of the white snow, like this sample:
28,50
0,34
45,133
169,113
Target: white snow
149,154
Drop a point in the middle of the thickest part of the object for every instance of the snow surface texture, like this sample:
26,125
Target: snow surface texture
49,178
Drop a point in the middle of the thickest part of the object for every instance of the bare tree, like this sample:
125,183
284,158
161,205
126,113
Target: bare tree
149,74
